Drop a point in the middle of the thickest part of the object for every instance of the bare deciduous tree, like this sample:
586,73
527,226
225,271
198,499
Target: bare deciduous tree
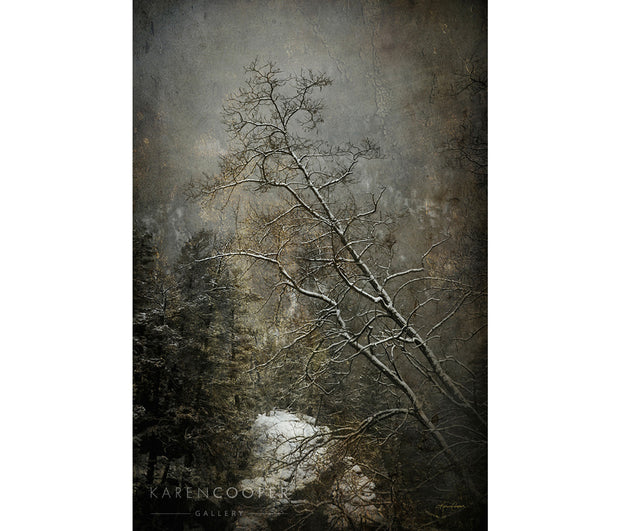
334,248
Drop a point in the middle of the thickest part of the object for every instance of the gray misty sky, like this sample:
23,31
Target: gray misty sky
396,67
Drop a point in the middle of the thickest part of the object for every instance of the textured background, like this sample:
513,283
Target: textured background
398,69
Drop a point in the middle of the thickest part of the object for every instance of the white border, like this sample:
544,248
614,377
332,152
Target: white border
66,267
66,223
553,262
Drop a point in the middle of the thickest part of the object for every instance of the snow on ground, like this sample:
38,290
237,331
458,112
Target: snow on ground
289,452
353,495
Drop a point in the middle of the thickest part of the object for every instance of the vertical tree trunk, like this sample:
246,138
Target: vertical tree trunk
164,476
150,467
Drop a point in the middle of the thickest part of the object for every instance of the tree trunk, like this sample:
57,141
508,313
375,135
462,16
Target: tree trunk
150,467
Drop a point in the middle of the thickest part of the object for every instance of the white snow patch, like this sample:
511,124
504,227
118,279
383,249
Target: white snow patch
289,452
353,495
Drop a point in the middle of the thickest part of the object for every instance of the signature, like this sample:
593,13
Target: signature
444,506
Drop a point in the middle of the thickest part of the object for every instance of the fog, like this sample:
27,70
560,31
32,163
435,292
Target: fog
396,68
